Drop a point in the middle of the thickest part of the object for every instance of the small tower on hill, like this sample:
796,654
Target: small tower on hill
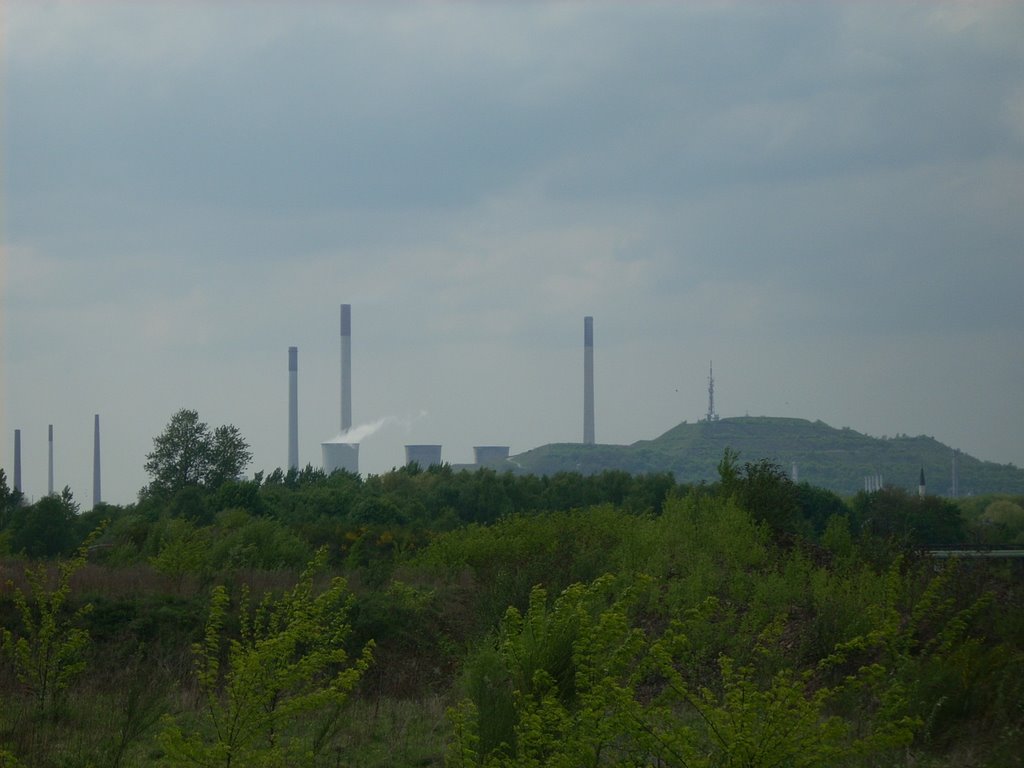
711,416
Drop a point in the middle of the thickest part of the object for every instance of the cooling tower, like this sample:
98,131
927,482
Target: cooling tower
423,455
293,407
17,459
588,380
96,495
49,464
346,367
490,455
341,456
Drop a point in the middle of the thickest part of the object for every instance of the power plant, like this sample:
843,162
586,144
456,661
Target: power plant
341,453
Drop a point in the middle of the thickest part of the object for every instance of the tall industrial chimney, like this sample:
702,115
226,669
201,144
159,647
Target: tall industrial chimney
96,496
49,466
955,490
588,380
17,459
293,407
337,454
346,367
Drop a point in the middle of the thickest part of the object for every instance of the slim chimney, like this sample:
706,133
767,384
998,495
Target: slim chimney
96,496
17,459
588,380
346,367
49,467
956,473
293,407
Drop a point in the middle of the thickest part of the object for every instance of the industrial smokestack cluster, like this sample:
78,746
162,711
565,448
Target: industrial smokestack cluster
341,454
50,485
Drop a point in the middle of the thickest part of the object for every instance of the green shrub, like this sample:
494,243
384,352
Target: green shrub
273,695
243,541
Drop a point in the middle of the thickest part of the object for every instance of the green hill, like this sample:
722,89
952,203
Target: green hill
837,459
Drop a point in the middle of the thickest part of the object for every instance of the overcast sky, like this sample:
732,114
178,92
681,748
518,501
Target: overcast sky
825,199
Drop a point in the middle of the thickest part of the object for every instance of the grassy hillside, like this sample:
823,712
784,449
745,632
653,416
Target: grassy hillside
837,459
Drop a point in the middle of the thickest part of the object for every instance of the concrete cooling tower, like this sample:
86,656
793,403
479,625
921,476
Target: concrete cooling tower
490,455
338,456
423,456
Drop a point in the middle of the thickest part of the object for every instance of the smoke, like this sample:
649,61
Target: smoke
361,432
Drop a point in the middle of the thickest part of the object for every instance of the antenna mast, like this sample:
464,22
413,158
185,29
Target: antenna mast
712,416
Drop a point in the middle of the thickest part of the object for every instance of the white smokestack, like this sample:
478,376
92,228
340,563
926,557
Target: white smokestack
293,407
17,459
96,495
346,367
49,467
588,380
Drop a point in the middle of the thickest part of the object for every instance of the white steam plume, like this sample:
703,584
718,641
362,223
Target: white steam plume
359,433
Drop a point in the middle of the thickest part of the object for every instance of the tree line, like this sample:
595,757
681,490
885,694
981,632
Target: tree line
197,473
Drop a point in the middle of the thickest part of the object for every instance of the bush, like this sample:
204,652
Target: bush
288,668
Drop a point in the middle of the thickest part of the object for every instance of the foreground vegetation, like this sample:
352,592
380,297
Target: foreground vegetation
477,619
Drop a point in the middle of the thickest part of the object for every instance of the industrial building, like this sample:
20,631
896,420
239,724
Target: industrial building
423,456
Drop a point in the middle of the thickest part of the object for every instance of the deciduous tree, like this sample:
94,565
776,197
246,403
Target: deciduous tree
187,454
229,455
